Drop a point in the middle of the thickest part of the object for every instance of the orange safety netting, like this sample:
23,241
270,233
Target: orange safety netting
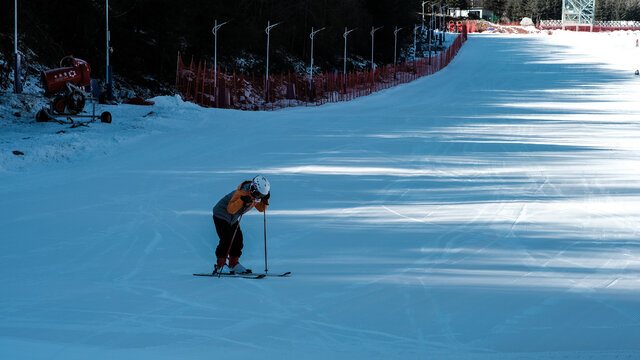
206,87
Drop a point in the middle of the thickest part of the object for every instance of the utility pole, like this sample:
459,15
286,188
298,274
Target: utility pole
17,81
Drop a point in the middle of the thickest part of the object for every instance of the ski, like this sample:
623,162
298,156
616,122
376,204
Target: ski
245,276
279,275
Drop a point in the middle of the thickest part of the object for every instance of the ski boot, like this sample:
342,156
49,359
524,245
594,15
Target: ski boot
236,268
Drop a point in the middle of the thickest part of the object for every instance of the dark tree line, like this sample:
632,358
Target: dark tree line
146,35
515,10
617,10
606,10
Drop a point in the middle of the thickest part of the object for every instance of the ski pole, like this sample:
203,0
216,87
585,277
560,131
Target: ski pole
266,269
230,244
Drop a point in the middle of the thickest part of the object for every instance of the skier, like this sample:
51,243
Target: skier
226,217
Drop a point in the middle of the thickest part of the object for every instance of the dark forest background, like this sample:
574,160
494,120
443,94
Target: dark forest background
146,35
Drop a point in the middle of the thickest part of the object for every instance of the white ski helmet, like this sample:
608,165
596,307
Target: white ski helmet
260,186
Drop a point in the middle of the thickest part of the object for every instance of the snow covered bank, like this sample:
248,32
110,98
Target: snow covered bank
489,211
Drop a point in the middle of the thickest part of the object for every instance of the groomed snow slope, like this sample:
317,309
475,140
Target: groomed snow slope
491,211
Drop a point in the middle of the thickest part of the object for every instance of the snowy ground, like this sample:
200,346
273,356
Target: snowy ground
491,211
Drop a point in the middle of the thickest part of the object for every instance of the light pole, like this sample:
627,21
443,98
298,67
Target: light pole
432,22
17,82
268,31
441,23
431,32
444,22
215,29
415,49
346,33
424,2
313,33
109,74
373,30
395,44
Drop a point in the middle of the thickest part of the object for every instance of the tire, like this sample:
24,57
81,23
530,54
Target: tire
105,117
42,116
59,104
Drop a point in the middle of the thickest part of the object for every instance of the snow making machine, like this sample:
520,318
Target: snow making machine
66,88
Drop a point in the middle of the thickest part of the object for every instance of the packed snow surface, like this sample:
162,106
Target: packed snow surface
490,211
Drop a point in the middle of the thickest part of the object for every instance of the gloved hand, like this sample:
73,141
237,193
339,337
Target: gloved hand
265,199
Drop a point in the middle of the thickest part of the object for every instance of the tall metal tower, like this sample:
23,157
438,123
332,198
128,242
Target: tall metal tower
578,12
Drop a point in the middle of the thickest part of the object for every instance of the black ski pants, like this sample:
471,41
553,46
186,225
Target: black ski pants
225,232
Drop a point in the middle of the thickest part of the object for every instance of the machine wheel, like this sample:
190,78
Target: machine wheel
75,102
59,104
105,117
42,116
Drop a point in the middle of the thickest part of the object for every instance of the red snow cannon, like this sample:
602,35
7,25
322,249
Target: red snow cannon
66,86
71,70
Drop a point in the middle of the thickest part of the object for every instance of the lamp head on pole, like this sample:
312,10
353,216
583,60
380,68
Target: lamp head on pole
347,32
215,28
373,30
269,27
313,33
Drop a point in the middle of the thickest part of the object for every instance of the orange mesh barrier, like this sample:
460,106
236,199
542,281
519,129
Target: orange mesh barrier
196,83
